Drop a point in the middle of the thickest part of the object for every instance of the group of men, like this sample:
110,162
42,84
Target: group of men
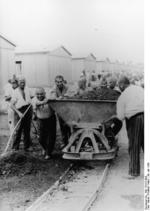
23,106
130,107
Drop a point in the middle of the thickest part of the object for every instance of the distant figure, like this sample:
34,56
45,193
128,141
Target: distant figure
103,83
60,88
9,89
21,100
112,82
99,76
93,81
46,121
81,84
130,107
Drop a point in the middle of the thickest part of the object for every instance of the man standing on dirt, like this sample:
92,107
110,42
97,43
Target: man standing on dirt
46,120
21,100
130,107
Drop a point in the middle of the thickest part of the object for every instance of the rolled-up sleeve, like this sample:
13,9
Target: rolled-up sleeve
121,108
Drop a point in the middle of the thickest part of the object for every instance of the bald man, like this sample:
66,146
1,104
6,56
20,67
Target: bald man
46,120
130,107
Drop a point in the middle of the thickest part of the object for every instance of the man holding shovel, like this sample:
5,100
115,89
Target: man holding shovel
21,100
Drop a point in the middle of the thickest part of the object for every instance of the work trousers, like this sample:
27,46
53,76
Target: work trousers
135,131
24,128
47,133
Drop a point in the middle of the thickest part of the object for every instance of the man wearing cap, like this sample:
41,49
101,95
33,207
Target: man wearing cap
13,84
130,107
21,100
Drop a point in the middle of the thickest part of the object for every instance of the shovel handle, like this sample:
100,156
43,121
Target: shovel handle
11,135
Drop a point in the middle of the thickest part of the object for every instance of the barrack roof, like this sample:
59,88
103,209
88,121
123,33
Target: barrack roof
4,38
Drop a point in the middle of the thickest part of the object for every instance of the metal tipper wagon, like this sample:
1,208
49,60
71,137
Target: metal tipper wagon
88,140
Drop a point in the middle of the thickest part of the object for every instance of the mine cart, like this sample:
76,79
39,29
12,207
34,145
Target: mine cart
88,140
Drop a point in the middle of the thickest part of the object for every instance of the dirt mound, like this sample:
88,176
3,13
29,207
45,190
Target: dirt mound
99,94
19,164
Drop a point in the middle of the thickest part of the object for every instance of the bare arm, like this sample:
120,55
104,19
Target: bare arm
39,103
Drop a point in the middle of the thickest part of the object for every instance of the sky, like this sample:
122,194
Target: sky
106,28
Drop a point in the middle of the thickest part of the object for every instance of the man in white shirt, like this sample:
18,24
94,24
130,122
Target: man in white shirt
21,100
130,107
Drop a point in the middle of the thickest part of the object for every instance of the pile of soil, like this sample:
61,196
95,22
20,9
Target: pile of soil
99,94
18,163
23,163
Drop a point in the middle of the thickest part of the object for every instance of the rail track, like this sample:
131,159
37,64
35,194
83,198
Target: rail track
77,189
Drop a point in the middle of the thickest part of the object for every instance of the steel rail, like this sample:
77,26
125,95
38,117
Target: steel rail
39,200
95,195
55,186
